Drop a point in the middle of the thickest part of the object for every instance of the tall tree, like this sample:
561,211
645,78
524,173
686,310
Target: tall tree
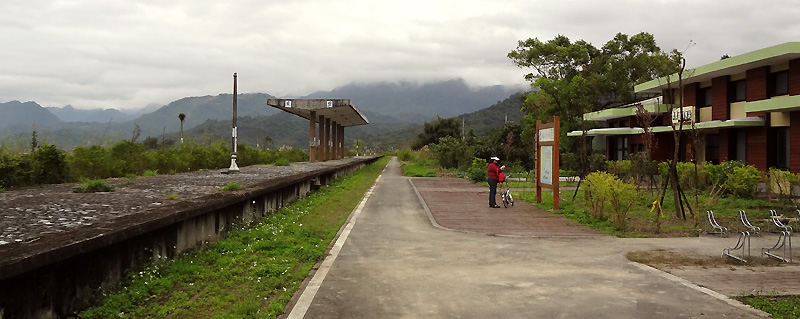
577,78
438,129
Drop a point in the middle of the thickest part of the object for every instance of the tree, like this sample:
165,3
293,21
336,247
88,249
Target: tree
432,132
577,78
181,117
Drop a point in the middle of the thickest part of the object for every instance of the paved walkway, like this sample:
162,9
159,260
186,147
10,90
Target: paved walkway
451,256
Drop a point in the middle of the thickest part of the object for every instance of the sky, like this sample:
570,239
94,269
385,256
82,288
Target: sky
126,54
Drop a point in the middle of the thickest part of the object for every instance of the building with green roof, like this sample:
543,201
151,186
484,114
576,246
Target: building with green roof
741,108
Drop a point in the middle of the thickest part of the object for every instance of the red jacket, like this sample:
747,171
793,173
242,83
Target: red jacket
493,171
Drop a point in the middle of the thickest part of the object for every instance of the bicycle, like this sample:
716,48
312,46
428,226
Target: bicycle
506,193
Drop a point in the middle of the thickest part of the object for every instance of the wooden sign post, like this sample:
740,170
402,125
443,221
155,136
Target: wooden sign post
547,158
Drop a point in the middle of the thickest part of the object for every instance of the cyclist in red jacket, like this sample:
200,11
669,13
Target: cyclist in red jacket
493,171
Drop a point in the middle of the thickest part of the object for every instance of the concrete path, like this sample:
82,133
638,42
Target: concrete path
395,260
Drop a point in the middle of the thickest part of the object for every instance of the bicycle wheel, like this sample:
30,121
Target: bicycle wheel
511,199
505,199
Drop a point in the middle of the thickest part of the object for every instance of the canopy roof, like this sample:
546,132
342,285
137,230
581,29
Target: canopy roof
340,110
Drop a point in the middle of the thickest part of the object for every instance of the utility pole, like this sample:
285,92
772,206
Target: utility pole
234,168
463,129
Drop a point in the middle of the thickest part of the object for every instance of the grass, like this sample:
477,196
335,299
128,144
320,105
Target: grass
150,172
418,169
232,187
250,273
780,307
93,186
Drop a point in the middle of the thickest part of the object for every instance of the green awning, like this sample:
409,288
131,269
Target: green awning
609,131
775,104
740,122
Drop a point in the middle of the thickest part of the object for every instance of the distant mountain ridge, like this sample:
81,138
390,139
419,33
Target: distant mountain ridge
388,106
445,99
70,114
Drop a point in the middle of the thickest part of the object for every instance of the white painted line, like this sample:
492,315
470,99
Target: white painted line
301,307
704,290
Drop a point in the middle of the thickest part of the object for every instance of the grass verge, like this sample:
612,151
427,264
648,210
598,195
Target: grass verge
780,307
252,272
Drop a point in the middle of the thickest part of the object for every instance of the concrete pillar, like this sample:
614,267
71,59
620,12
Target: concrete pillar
322,138
328,139
341,139
335,140
312,133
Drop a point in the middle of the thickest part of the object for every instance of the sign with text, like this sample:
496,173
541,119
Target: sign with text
547,165
684,114
547,157
546,135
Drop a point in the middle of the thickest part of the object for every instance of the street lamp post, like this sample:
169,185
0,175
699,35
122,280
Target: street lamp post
234,168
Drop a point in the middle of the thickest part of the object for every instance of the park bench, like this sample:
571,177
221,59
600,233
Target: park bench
717,228
785,243
776,219
752,228
743,244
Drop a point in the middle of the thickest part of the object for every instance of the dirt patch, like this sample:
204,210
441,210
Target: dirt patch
663,259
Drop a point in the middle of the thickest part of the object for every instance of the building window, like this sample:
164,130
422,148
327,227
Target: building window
619,148
780,145
712,148
738,146
780,83
739,91
705,97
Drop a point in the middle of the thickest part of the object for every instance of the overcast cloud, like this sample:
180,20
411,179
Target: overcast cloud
127,54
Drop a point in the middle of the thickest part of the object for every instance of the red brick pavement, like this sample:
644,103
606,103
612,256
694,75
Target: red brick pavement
461,205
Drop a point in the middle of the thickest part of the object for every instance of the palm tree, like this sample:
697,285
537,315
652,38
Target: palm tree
181,117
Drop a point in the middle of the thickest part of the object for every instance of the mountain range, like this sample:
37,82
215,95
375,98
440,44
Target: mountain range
390,107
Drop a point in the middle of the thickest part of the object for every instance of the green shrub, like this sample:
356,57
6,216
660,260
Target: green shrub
282,162
49,165
597,162
89,162
622,169
781,182
405,155
451,152
150,172
93,186
743,181
477,172
11,172
569,162
642,168
605,191
232,187
686,176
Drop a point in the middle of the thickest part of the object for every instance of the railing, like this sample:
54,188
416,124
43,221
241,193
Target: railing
785,243
743,244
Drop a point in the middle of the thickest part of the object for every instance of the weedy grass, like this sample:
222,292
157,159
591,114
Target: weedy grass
251,272
232,187
780,307
417,169
93,186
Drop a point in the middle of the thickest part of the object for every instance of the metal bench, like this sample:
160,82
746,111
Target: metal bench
743,244
776,219
785,243
752,228
723,231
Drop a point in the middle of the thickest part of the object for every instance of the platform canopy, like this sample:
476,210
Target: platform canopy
340,110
